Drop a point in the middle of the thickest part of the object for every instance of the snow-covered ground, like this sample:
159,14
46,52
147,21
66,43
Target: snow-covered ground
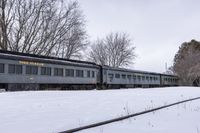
183,118
54,111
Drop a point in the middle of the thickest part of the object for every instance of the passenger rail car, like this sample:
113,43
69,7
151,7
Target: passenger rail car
125,78
30,72
19,71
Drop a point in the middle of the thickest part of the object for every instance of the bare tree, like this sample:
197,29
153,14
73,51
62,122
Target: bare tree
186,62
43,27
6,21
169,71
194,75
115,50
74,43
98,52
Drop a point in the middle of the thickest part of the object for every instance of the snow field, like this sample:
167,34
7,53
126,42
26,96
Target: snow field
183,118
54,111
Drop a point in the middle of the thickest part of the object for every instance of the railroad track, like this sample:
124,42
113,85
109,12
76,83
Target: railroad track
126,117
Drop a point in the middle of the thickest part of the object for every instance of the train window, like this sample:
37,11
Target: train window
143,78
11,68
58,72
32,70
28,69
134,77
79,73
147,78
93,74
139,77
69,72
88,74
150,78
123,76
15,69
45,71
117,76
48,71
1,68
129,76
110,75
18,69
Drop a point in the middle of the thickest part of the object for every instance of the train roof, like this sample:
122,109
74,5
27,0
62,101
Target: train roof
44,58
136,71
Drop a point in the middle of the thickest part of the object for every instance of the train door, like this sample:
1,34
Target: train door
110,77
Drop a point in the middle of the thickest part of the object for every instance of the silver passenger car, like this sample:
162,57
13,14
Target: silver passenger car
30,72
126,78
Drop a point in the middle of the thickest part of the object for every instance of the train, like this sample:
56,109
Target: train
22,71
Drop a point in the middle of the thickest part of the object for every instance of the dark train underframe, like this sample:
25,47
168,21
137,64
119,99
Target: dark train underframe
28,86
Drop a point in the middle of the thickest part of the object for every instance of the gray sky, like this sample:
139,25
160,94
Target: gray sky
157,27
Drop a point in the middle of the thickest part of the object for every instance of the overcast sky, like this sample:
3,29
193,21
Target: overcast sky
157,27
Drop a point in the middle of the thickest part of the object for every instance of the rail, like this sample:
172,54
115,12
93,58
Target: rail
125,117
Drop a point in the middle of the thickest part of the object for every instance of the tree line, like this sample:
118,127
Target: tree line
40,27
58,28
